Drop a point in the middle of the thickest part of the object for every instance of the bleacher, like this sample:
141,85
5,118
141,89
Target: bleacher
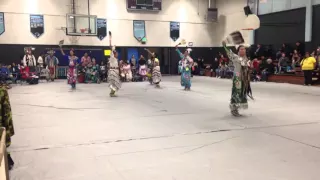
294,78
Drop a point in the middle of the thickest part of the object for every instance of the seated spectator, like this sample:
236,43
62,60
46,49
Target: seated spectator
256,65
263,61
89,71
278,54
4,73
255,74
223,59
229,70
14,70
286,49
92,73
259,51
308,65
300,48
103,72
268,70
283,63
295,59
221,71
215,65
201,66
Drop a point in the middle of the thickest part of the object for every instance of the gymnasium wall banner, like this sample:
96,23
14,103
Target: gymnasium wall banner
174,30
36,25
2,27
102,28
139,30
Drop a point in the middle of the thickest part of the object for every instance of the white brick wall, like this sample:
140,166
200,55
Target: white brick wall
191,14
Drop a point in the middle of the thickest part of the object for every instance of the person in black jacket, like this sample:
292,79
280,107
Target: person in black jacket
268,70
300,48
259,51
215,65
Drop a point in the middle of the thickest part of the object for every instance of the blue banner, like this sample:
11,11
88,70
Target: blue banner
36,25
139,30
174,30
102,28
2,27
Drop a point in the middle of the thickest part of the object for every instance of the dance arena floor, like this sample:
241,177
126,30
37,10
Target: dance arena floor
165,134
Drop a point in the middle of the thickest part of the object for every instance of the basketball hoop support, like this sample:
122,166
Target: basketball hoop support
247,29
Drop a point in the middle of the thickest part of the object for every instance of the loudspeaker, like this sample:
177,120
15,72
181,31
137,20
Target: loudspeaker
212,14
247,10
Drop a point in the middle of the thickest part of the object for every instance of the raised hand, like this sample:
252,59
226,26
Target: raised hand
224,43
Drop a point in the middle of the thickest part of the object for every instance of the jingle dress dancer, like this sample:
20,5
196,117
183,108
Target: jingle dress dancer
155,65
185,65
113,73
72,71
241,79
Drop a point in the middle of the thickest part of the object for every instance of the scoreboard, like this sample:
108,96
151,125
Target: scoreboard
148,5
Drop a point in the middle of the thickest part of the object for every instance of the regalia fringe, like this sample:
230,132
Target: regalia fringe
114,78
156,75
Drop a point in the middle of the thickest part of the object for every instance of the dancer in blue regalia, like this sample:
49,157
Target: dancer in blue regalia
185,65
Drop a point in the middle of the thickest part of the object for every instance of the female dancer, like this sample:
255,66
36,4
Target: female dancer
241,80
185,65
72,72
156,74
142,67
113,73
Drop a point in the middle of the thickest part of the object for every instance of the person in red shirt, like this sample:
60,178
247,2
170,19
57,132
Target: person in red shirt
256,65
256,69
223,60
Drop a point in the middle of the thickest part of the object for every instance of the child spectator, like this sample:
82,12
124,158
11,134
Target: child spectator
283,63
295,59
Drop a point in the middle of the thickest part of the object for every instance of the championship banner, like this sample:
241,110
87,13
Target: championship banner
174,30
2,27
139,31
36,25
102,28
